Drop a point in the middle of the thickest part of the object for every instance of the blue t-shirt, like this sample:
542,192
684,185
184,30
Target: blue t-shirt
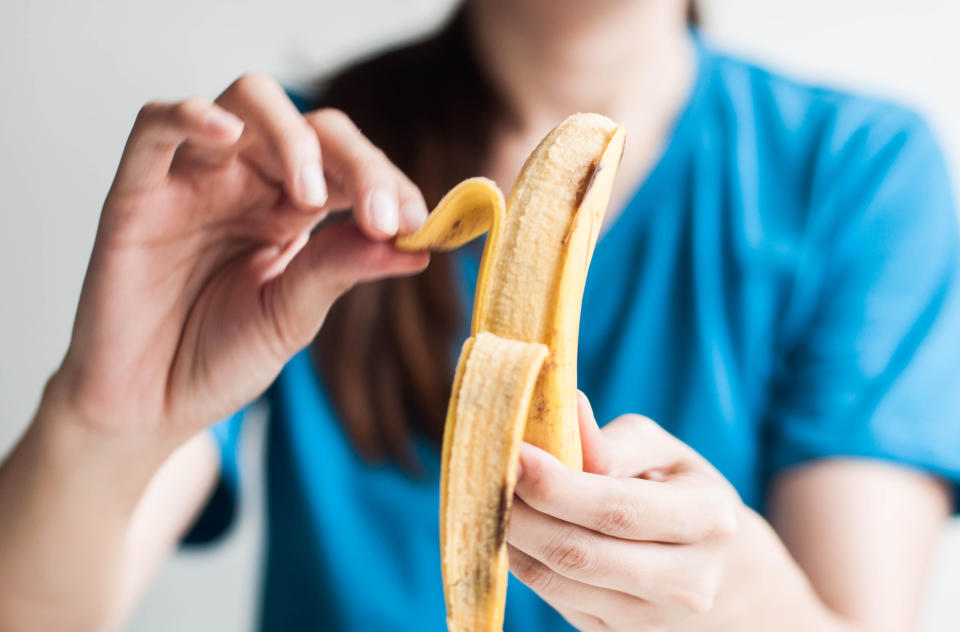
783,287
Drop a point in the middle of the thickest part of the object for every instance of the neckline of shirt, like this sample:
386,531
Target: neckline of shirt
674,148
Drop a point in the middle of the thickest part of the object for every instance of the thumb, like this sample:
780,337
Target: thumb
596,458
333,260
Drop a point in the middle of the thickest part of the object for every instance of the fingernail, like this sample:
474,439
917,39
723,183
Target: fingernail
311,184
222,122
519,470
414,214
384,212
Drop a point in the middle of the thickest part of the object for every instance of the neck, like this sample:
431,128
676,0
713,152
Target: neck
631,60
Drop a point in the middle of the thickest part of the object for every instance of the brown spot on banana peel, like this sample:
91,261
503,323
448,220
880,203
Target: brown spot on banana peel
587,182
502,514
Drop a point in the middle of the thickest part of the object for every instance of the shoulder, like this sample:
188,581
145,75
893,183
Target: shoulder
842,150
831,119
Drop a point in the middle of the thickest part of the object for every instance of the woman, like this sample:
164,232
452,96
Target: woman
777,286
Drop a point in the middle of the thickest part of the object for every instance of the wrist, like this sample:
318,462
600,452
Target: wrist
109,468
68,495
765,588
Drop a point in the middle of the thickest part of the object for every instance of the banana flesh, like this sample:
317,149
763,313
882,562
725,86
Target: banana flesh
516,378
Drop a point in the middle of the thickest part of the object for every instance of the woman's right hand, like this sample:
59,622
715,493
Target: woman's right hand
205,277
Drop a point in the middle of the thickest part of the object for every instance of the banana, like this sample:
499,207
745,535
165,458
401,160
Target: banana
516,377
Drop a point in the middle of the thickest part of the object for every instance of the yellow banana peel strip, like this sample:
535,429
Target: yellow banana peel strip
517,372
497,377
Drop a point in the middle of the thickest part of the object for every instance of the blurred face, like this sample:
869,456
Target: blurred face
594,6
557,12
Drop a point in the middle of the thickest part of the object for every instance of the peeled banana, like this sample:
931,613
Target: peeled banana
517,374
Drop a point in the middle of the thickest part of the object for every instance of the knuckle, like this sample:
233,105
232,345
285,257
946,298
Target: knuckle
380,157
635,425
190,110
721,523
618,518
362,155
405,186
338,119
696,596
148,113
727,526
570,552
330,116
251,82
182,114
644,424
538,486
366,163
535,575
408,190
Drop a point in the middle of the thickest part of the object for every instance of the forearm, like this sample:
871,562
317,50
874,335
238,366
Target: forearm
864,532
67,496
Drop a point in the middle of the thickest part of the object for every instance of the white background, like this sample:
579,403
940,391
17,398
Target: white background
73,74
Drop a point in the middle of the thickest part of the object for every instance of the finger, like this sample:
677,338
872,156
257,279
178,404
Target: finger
413,209
635,445
596,458
161,127
334,259
367,180
687,511
607,608
541,580
682,576
278,139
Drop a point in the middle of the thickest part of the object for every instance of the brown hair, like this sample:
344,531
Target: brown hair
387,348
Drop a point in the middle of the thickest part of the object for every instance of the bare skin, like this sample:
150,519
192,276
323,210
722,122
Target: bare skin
209,221
204,280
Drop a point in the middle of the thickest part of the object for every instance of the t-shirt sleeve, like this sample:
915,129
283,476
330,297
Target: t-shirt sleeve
873,369
218,514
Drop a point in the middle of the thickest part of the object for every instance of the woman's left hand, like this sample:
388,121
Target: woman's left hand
640,540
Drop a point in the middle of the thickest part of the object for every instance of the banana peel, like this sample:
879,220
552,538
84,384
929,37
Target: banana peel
516,377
